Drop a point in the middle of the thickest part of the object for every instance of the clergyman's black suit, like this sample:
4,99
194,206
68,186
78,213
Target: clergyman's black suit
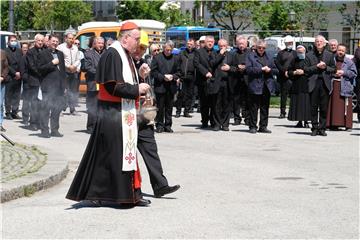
52,87
319,85
205,61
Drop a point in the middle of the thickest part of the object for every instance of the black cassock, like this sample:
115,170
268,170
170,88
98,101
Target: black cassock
100,175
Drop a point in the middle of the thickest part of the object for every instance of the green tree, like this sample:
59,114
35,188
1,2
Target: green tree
53,14
46,14
4,9
351,16
133,9
232,15
273,16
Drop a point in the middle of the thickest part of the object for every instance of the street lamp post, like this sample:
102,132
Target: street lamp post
292,19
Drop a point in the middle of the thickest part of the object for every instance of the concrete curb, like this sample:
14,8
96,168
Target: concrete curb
53,172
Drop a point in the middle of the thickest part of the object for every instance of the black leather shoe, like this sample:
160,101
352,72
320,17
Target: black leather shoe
282,115
56,134
168,130
159,130
226,129
264,130
2,129
299,125
31,127
15,116
252,130
322,133
44,135
177,115
216,128
187,115
314,132
143,203
203,126
8,116
166,190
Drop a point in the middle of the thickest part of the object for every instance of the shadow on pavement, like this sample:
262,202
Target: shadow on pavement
301,133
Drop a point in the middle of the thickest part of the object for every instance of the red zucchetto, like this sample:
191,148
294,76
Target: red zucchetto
128,26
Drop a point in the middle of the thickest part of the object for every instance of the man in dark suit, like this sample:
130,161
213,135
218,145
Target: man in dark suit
164,69
319,67
356,59
187,77
13,87
282,61
51,66
33,81
260,69
92,57
205,63
238,81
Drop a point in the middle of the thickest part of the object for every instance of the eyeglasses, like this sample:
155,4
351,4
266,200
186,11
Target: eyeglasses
77,43
156,50
261,48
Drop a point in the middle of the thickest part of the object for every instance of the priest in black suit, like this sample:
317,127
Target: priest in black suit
319,67
51,66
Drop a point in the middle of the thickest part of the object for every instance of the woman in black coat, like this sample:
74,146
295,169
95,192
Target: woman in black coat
300,108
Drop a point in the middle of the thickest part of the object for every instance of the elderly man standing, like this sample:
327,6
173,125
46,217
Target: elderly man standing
238,81
92,58
164,69
340,112
260,69
33,81
72,64
109,170
319,67
205,64
51,66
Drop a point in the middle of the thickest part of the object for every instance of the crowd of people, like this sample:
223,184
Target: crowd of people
228,84
238,83
235,83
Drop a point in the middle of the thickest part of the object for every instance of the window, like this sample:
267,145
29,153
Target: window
84,39
107,35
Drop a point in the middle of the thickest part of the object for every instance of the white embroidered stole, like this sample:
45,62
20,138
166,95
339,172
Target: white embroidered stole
128,113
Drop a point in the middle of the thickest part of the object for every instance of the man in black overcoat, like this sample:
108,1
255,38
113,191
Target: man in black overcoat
51,66
13,86
319,67
205,63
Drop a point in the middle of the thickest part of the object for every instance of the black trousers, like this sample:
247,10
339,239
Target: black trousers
357,92
222,108
284,93
72,87
91,106
165,102
206,103
319,99
51,106
148,149
185,96
26,103
261,102
31,105
239,99
12,96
